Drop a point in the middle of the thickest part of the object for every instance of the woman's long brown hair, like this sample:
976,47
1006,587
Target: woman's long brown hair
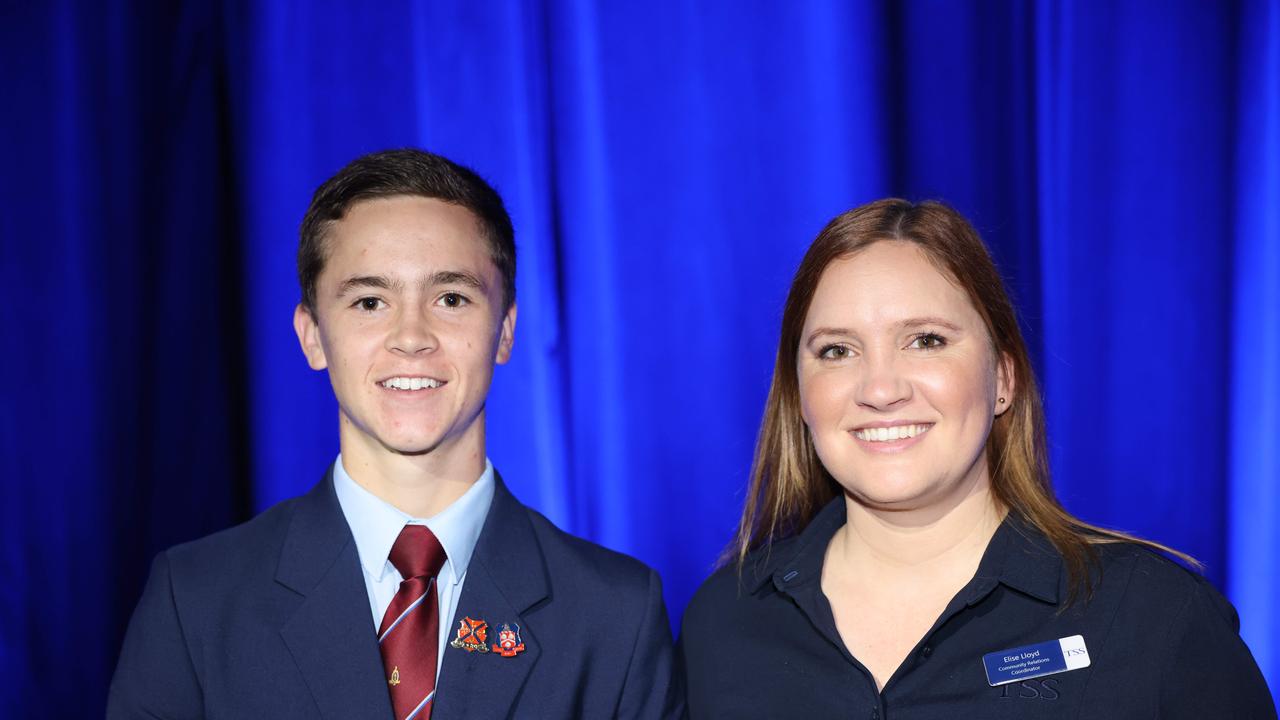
788,482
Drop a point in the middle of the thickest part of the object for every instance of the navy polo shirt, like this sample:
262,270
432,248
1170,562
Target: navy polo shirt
1162,641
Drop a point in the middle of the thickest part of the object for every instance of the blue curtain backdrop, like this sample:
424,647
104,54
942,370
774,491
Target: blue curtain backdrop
666,164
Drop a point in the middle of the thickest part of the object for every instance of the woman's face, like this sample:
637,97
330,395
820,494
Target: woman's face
898,382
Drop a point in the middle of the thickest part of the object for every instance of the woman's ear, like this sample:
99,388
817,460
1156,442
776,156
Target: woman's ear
1005,385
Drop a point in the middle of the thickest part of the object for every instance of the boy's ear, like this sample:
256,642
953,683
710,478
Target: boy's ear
308,330
508,337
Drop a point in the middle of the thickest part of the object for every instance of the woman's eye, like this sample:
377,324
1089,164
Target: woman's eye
834,352
928,341
368,304
453,300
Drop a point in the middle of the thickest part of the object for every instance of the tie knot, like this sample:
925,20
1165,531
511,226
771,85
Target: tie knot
417,552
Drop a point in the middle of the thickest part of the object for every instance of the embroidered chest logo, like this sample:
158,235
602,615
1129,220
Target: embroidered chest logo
472,635
1037,689
509,642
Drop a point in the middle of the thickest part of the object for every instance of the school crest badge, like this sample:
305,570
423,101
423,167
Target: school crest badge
509,642
472,635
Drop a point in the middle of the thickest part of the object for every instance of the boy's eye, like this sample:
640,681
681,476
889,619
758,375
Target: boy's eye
454,300
368,304
928,341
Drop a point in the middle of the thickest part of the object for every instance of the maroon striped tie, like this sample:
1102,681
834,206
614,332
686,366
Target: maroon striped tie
410,632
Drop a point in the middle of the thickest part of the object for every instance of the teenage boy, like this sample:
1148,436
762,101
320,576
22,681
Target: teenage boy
408,583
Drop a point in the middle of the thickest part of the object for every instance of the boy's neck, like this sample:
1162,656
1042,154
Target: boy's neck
419,485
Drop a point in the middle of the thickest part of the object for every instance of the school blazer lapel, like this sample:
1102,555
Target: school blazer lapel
506,579
331,635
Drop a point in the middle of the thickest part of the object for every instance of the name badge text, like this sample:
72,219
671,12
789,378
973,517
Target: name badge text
1038,660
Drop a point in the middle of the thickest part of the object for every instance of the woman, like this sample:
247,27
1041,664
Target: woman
901,553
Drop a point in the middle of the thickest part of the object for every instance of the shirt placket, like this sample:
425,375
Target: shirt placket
876,704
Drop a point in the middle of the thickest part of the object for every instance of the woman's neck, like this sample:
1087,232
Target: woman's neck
943,543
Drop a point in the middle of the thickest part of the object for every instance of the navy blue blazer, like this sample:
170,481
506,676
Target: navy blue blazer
271,619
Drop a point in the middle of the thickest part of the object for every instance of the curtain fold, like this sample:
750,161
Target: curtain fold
1253,522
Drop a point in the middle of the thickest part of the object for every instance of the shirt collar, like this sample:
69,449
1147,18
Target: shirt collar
1018,556
794,563
375,524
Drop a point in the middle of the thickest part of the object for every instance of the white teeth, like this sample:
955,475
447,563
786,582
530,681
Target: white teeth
888,434
408,383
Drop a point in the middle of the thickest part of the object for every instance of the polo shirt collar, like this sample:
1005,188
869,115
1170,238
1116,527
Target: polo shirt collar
799,561
375,524
1022,558
1018,556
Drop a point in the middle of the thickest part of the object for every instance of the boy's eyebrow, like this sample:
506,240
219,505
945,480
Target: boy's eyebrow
380,282
455,277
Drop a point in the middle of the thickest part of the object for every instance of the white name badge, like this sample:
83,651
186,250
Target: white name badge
1033,661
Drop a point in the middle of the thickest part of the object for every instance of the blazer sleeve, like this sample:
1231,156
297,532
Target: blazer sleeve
651,688
1209,671
155,677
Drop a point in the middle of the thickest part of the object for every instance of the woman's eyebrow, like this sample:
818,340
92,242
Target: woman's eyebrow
819,332
908,323
923,321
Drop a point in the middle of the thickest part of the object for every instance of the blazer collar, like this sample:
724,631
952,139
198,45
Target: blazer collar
318,535
506,583
509,548
330,635
335,645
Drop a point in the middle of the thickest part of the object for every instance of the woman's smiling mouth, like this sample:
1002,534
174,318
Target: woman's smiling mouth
890,438
890,433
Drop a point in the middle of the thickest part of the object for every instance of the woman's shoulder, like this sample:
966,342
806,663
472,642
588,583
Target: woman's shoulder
733,589
722,588
1170,599
1206,670
1150,573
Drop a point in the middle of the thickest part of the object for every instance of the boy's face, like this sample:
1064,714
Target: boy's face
409,320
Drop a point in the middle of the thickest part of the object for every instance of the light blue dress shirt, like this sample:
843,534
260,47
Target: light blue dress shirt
376,524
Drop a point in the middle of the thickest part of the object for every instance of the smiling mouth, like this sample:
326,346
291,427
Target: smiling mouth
411,384
889,434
